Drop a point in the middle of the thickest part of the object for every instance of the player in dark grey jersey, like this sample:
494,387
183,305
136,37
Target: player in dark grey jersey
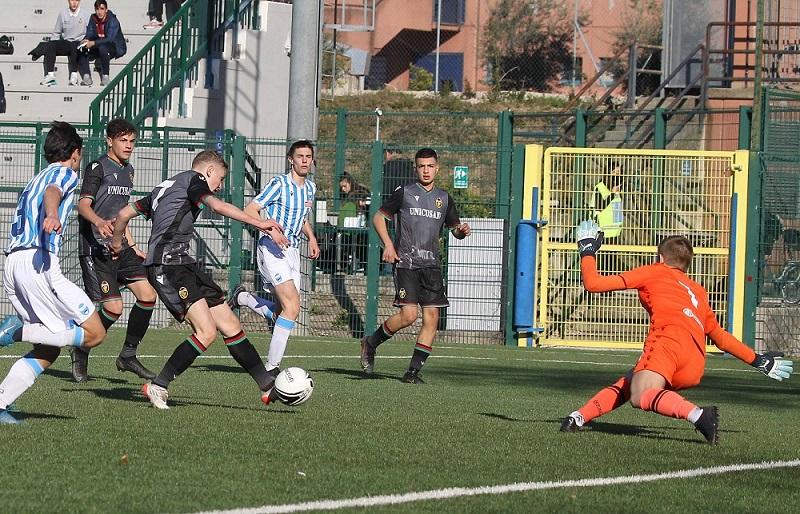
188,292
107,185
420,210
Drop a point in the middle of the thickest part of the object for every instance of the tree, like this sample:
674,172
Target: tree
529,44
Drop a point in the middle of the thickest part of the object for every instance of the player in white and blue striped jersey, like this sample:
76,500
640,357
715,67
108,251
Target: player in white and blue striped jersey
52,312
287,199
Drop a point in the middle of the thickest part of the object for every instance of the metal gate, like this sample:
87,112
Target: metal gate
695,194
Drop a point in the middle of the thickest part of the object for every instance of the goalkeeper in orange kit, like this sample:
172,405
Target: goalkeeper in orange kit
675,348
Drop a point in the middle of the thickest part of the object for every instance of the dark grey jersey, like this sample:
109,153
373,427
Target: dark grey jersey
108,184
419,216
173,207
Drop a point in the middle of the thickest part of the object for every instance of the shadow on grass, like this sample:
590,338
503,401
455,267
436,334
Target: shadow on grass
26,415
66,375
355,374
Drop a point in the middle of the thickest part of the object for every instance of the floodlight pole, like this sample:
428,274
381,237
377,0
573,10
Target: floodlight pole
574,43
438,42
304,69
755,130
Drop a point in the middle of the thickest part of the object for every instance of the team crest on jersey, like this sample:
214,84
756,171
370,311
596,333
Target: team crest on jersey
104,286
183,293
439,203
402,292
83,308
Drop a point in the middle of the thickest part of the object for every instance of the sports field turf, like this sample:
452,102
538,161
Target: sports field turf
487,416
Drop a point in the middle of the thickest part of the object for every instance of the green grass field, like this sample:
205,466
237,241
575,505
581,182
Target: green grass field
487,416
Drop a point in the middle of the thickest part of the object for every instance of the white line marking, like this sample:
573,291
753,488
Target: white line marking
460,492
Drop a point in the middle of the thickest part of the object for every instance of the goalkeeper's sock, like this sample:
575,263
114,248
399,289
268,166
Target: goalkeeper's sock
380,336
667,403
606,400
420,355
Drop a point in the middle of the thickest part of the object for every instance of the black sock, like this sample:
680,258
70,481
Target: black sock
380,336
420,355
243,352
107,318
183,357
138,323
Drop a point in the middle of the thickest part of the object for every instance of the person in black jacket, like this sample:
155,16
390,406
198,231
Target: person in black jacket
104,41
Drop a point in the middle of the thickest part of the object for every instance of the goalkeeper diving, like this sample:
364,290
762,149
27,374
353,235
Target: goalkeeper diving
675,349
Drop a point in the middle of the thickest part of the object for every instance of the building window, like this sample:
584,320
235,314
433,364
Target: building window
452,11
566,75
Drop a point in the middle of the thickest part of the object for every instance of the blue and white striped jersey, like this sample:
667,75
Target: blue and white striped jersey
288,203
27,232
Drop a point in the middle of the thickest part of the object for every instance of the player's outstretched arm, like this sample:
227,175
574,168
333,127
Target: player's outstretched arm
270,227
52,199
771,364
589,239
126,214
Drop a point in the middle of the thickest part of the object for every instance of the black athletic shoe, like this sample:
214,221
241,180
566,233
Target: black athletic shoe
133,365
412,377
80,363
570,424
367,356
708,424
233,299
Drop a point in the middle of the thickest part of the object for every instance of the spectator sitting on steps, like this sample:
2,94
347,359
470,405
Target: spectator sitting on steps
104,41
69,31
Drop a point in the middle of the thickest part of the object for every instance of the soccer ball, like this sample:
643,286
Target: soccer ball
293,386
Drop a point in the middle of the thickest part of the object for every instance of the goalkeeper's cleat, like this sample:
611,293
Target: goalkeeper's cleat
157,395
773,365
708,424
572,423
7,419
367,356
233,300
133,365
80,364
412,377
7,328
268,396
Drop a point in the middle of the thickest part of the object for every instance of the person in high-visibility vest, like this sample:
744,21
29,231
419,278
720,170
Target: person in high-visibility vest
607,204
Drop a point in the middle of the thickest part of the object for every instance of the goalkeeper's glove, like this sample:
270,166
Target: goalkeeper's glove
773,365
589,238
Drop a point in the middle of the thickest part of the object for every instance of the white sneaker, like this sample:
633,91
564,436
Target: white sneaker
153,24
157,395
104,80
74,79
49,80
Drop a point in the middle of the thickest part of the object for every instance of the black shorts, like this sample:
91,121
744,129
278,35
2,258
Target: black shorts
180,285
423,287
103,276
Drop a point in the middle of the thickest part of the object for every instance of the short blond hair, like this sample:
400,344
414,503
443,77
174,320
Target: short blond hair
677,251
209,157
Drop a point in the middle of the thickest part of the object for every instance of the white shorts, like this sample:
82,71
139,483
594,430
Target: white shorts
278,265
39,292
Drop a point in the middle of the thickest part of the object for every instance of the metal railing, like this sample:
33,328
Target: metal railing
145,86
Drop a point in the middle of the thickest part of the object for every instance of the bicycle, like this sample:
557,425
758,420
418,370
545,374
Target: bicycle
788,282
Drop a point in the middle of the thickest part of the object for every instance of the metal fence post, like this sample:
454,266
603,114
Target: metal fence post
37,158
515,214
341,147
580,128
374,249
745,125
504,149
237,199
660,129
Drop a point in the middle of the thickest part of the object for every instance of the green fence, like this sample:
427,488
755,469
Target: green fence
346,292
778,311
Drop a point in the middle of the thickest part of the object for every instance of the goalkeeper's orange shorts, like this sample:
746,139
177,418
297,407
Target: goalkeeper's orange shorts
671,352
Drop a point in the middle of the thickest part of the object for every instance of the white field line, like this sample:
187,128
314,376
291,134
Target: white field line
405,357
460,492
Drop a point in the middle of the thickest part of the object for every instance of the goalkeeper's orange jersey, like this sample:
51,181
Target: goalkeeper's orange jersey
671,298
